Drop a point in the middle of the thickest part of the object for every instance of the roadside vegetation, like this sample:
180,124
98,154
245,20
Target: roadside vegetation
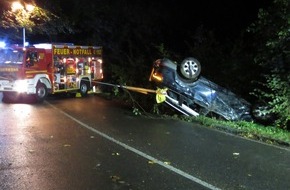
272,41
268,134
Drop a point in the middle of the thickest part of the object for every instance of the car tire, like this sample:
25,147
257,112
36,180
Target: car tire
41,92
189,69
260,113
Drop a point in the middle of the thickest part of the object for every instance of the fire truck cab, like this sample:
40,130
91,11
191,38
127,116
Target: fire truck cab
44,69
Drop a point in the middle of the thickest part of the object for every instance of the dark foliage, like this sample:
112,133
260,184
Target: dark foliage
273,55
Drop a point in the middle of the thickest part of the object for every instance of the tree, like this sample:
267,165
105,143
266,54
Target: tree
273,54
34,19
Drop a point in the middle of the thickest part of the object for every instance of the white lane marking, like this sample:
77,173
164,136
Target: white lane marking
171,168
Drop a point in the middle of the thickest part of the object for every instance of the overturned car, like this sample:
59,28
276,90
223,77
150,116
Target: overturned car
193,95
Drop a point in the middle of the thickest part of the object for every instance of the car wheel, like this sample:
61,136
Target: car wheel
260,112
189,69
41,92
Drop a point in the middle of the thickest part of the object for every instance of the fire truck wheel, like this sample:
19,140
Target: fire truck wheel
41,92
84,89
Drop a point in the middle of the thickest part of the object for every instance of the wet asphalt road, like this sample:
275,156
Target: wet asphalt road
96,143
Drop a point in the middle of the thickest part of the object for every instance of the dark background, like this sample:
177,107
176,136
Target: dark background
178,19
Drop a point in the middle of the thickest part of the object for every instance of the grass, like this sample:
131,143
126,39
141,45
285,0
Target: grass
251,130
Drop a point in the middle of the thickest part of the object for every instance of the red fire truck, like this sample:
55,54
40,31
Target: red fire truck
44,69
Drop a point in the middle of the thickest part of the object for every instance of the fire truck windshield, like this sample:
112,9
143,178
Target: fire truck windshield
10,56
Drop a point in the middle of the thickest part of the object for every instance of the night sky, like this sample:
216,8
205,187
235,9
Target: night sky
226,17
